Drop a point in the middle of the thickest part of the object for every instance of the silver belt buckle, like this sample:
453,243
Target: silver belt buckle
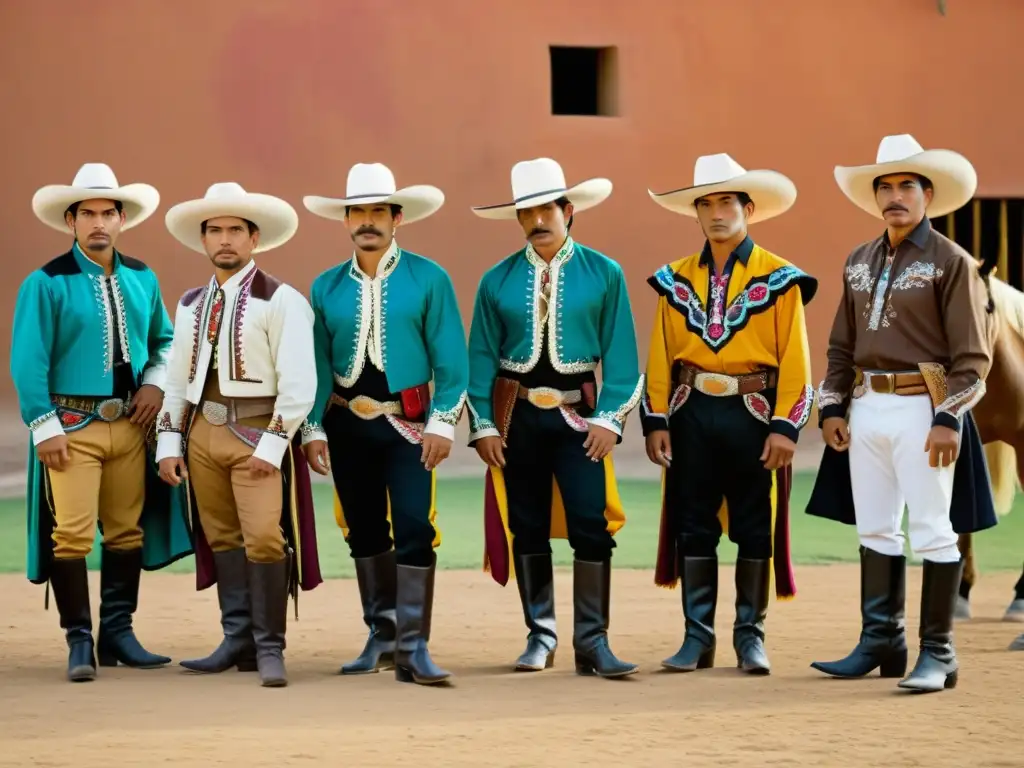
215,413
110,410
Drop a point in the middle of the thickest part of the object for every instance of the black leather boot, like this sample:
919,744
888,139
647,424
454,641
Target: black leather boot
377,580
414,610
936,666
752,579
883,638
700,598
119,598
268,591
70,582
535,578
591,591
237,649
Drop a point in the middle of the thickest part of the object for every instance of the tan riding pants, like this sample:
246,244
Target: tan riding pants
105,480
235,508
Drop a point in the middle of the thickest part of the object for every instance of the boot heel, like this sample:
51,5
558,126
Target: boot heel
894,665
403,674
707,659
584,666
106,658
951,679
246,665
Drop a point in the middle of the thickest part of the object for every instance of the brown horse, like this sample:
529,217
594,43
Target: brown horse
1000,419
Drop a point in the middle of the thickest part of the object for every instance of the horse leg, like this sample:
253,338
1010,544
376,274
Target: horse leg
965,543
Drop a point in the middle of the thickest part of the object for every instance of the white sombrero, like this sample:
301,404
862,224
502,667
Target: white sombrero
953,178
94,181
772,192
370,183
276,219
536,182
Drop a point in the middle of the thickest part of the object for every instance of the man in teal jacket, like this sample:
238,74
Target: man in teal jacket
386,323
88,353
545,317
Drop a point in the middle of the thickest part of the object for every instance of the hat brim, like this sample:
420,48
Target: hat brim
418,202
139,202
953,178
585,195
773,194
276,219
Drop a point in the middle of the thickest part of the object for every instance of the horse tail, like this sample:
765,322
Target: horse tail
1002,468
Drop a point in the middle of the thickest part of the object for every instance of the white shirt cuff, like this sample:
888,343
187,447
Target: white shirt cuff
271,449
440,428
49,427
168,446
485,432
609,425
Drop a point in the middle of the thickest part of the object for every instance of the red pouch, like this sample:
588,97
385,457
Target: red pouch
415,402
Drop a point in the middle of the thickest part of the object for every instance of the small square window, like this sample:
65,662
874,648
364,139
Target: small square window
584,81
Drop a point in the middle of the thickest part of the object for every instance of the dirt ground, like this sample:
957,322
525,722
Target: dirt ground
491,716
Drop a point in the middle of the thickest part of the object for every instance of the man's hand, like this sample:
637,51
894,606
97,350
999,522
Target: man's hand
489,449
659,448
317,456
259,468
435,450
146,405
54,452
599,442
836,433
778,452
942,446
173,471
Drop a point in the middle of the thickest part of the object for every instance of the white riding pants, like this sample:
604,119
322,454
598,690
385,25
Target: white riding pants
889,468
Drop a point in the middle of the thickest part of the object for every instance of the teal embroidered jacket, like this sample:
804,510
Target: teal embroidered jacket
63,333
589,321
405,320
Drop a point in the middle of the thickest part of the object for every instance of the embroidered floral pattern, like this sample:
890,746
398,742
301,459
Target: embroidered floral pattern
827,397
407,429
574,420
962,401
276,427
451,416
758,406
859,277
874,312
237,345
198,312
121,318
38,422
760,294
99,284
718,286
917,275
618,417
801,410
679,398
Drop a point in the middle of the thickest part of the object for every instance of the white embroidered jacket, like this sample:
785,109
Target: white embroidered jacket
264,334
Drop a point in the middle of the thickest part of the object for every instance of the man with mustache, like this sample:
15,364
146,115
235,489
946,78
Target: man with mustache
387,324
543,320
728,392
89,351
240,382
910,349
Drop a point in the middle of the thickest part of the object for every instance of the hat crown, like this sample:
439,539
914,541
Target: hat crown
896,148
370,180
225,190
535,177
713,169
95,176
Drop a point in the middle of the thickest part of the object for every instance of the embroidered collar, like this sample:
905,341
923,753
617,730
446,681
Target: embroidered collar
564,254
236,279
385,266
741,253
918,236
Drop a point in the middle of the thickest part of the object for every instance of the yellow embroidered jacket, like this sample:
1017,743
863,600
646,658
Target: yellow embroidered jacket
747,320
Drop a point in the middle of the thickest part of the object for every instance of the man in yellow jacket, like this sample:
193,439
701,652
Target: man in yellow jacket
728,391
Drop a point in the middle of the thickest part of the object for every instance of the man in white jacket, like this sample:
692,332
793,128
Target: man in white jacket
241,380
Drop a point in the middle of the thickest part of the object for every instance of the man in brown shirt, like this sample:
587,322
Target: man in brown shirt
908,355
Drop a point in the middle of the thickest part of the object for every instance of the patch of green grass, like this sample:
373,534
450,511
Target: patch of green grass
460,517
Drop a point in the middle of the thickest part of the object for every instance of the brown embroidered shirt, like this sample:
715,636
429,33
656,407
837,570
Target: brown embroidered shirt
922,302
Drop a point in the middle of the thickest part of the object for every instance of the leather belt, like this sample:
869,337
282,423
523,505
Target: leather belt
104,409
548,397
723,384
908,383
219,413
367,408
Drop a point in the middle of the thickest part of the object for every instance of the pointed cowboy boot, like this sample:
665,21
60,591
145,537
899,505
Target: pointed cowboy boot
377,577
752,579
70,582
700,598
119,599
237,649
591,608
268,592
535,578
415,607
937,667
883,640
